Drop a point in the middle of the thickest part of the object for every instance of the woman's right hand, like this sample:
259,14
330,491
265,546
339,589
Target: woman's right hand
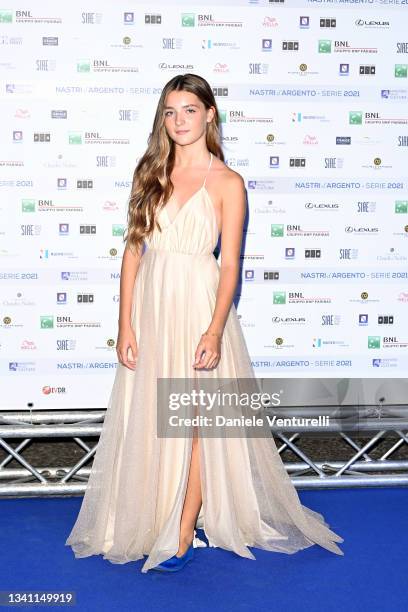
127,340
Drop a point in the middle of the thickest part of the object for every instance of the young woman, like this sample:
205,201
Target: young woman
146,494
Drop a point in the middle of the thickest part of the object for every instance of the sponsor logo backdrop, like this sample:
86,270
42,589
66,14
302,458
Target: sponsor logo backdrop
313,101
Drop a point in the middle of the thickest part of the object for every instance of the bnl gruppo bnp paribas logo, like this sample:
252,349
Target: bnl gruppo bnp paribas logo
188,20
6,16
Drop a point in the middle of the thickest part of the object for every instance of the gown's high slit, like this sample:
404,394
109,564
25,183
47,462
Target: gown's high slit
134,497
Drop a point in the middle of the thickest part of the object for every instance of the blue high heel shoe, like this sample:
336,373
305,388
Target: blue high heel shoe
174,564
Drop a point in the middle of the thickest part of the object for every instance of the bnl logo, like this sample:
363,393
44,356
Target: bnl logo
374,342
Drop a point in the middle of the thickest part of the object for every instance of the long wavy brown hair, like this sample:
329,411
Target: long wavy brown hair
151,185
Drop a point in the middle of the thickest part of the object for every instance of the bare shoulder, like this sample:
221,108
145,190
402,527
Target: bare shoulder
229,181
234,181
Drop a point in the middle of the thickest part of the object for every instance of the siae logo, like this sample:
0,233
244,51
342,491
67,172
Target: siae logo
258,68
66,344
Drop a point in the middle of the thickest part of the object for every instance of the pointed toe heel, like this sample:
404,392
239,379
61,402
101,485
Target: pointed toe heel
174,564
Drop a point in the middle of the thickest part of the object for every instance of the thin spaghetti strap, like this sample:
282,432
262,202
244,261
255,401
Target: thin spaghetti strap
208,169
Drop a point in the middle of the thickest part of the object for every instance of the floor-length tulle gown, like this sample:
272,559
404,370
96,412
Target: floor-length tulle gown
134,497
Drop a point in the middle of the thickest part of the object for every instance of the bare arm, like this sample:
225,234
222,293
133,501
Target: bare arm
233,217
208,352
130,266
126,336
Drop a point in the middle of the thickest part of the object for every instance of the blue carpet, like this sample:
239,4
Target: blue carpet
371,575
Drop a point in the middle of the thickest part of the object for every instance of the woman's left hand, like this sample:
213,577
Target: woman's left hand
208,353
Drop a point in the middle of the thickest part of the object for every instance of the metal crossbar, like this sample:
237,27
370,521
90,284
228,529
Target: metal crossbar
360,469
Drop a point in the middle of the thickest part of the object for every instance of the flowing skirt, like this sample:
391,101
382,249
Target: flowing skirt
134,497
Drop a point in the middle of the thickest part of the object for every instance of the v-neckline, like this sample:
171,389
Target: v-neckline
180,208
171,222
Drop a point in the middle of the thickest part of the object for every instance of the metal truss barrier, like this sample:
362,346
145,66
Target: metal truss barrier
358,470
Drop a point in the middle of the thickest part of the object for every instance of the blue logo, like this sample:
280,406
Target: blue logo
128,18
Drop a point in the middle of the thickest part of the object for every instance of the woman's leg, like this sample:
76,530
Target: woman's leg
192,501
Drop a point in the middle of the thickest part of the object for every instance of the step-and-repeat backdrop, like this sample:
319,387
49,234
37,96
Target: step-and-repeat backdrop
313,102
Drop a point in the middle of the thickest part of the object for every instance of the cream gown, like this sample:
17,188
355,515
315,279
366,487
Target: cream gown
135,493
